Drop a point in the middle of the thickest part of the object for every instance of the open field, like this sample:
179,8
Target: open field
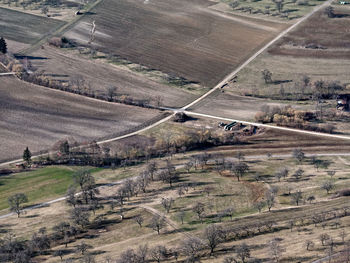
25,28
66,66
320,37
38,117
186,40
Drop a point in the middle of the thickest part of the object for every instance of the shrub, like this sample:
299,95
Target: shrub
56,42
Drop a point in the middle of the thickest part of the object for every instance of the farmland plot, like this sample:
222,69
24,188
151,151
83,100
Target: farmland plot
64,66
25,28
186,39
38,117
320,37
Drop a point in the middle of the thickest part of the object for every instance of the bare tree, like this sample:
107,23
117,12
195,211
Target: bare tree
311,198
328,186
15,202
70,197
142,253
342,235
198,208
139,220
275,249
298,173
151,169
243,252
267,76
111,92
191,248
239,169
298,154
323,238
167,203
270,200
331,173
83,247
188,166
309,244
213,234
181,216
259,205
158,253
157,223
230,211
297,197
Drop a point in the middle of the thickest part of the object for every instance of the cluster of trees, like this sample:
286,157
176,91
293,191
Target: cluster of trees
290,117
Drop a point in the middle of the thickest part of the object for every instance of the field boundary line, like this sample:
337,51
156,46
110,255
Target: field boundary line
244,64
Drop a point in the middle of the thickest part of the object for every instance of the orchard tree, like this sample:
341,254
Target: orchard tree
15,202
267,76
213,234
328,186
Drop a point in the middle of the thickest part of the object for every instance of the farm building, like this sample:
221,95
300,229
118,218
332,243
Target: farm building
343,102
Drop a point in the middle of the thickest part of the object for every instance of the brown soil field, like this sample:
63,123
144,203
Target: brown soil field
38,117
63,66
26,28
186,39
330,36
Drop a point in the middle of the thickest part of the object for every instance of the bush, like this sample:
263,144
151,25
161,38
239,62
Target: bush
180,117
56,42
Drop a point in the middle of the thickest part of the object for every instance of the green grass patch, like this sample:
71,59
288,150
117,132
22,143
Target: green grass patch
39,185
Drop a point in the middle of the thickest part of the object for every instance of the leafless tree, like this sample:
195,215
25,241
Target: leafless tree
297,197
141,253
15,202
167,203
323,238
243,252
151,169
139,220
158,253
275,249
298,154
213,235
191,248
188,166
342,235
259,205
239,169
198,208
267,76
181,216
311,198
309,244
331,173
70,197
328,186
83,247
230,211
157,223
298,173
111,92
270,200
